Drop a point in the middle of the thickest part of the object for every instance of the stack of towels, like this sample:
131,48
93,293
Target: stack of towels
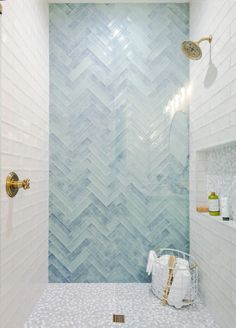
180,290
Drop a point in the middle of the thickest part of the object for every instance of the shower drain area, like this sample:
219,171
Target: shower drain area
94,306
118,318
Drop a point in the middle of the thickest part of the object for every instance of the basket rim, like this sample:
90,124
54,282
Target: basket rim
158,252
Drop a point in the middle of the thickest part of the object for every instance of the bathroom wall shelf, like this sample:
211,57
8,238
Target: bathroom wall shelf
216,171
231,224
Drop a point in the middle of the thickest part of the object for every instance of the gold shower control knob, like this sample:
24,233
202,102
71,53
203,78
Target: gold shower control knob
26,184
13,184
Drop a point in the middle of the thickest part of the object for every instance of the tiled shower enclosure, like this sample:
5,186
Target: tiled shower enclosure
117,188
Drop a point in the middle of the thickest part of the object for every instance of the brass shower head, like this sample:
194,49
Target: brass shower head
192,49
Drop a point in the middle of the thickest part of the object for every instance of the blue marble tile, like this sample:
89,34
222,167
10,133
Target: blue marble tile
114,192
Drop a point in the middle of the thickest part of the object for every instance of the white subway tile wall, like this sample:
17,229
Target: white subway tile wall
212,123
24,149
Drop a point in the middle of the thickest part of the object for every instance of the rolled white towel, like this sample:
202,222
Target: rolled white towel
182,263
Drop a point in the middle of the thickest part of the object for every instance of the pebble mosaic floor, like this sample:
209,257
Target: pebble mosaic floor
93,306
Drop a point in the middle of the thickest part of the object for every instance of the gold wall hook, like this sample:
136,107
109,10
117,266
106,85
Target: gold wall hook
13,184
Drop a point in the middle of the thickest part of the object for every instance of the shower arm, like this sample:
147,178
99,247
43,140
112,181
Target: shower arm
206,38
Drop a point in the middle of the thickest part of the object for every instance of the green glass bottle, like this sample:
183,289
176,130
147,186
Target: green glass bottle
213,203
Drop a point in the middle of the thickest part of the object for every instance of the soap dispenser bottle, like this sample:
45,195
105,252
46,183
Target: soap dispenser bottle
213,204
224,208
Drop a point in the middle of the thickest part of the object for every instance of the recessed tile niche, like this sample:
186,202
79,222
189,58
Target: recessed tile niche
216,171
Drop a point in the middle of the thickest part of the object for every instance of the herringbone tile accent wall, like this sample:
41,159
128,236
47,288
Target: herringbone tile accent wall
116,190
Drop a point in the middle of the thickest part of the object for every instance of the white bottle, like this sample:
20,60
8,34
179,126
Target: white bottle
224,208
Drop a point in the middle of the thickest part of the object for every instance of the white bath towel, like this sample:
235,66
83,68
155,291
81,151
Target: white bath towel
151,259
181,284
160,274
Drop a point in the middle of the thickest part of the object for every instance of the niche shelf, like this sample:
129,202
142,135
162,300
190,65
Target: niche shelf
216,171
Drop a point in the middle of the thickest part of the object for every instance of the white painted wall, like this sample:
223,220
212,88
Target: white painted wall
213,122
24,149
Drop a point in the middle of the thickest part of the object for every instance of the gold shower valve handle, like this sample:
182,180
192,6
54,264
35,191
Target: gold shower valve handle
13,184
25,184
